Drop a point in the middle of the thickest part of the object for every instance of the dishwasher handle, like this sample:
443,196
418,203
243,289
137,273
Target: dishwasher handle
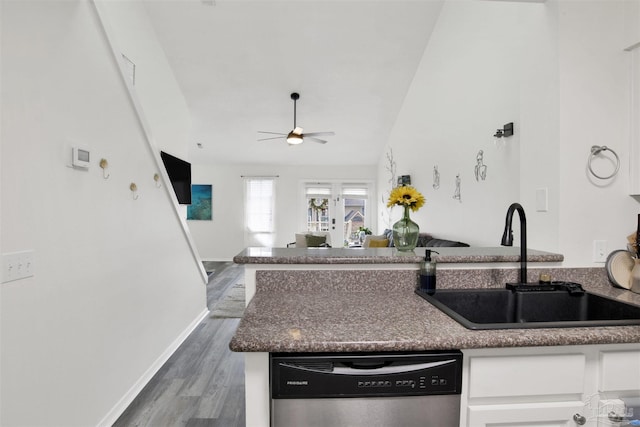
380,370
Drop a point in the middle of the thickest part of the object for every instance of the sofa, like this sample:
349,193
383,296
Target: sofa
311,239
425,240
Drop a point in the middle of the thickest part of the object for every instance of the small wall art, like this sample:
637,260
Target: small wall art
200,207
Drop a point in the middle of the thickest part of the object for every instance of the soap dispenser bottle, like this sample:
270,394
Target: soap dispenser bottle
428,273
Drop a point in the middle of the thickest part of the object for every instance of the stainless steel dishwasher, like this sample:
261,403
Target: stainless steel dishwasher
368,390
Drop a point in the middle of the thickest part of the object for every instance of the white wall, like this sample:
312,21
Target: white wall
116,286
465,87
594,110
164,105
558,70
223,237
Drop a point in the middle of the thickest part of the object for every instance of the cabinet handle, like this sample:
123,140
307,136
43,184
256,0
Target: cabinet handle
579,419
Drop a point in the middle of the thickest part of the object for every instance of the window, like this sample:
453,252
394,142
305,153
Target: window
354,198
318,197
259,204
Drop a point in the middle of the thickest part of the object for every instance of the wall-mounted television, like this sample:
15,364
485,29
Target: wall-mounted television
179,172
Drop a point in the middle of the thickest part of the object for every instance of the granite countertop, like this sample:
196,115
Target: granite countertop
259,255
389,317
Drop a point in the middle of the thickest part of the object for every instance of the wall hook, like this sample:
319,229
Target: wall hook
156,178
506,131
134,189
104,165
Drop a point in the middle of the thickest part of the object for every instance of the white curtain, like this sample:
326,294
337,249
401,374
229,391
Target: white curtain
260,195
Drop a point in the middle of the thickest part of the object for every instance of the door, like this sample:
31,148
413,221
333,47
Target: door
340,208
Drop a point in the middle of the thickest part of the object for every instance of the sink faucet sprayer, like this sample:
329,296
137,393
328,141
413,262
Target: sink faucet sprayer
507,237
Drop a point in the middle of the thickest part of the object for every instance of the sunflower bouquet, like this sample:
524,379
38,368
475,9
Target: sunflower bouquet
406,196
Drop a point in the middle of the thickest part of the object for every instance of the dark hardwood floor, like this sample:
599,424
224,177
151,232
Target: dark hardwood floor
202,384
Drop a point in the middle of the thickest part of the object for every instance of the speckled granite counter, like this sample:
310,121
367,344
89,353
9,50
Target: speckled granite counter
256,255
322,311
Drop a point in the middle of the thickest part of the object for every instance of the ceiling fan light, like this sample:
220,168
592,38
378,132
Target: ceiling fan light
294,138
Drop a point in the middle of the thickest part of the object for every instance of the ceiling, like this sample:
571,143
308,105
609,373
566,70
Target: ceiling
237,62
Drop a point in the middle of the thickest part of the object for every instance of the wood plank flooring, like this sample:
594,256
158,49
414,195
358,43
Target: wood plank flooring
202,384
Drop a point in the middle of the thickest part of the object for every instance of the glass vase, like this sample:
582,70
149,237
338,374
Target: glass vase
405,232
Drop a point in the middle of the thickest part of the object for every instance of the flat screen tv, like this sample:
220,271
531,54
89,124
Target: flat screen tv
179,173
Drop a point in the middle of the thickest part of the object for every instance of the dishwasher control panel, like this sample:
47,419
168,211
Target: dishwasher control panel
362,375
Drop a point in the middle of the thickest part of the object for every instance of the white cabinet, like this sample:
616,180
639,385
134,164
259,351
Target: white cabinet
545,386
550,414
619,372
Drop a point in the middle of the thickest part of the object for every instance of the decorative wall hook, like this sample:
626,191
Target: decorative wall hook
480,169
506,131
134,190
456,193
436,178
104,165
596,150
156,178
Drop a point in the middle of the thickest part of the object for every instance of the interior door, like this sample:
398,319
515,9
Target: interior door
338,208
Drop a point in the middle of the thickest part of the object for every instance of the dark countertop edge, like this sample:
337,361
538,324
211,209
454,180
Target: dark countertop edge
340,347
320,258
390,260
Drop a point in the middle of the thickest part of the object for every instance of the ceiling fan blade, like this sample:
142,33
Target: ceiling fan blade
319,134
321,141
298,130
275,137
273,133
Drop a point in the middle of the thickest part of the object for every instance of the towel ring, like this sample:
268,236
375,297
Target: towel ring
596,150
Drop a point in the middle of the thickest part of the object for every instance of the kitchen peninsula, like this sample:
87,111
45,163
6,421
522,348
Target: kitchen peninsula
362,300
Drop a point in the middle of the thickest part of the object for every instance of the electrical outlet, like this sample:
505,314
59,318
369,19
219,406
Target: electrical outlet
599,251
17,265
542,200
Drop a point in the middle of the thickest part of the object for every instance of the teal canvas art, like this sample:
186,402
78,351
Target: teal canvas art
200,207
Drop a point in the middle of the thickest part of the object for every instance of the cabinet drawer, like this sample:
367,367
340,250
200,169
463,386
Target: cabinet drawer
619,371
526,375
527,414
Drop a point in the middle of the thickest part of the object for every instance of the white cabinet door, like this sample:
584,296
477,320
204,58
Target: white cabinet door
552,414
619,371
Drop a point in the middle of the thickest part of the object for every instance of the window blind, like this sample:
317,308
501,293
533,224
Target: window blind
259,204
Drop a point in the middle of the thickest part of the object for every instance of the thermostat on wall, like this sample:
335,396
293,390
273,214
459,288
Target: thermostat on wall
81,157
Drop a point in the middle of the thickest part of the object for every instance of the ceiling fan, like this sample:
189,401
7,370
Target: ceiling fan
296,136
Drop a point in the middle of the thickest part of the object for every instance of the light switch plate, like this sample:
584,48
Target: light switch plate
17,265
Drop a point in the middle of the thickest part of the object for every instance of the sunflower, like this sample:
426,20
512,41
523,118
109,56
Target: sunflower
406,196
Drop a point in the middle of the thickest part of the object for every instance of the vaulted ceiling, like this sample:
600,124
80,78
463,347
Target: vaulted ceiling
237,62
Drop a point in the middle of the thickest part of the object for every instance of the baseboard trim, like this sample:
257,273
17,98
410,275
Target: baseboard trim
112,416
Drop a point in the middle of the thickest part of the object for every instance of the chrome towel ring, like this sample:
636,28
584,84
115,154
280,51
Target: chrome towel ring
596,150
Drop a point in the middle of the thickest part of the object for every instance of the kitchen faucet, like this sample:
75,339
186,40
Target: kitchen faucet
507,237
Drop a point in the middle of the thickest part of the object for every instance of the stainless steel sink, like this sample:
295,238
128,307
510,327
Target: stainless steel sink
559,305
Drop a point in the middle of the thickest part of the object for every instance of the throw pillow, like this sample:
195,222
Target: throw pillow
301,241
370,238
379,243
315,241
